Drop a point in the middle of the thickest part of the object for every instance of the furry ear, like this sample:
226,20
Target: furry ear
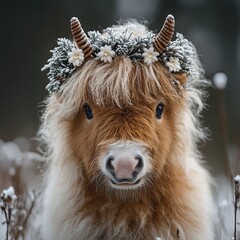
181,77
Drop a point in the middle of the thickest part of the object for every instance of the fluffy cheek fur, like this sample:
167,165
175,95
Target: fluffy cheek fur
89,139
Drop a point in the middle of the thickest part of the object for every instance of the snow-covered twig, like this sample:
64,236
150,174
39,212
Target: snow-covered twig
236,203
8,198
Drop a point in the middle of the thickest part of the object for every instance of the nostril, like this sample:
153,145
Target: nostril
139,166
109,165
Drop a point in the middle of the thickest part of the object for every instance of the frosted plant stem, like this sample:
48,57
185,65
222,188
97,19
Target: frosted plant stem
235,215
224,128
7,217
236,200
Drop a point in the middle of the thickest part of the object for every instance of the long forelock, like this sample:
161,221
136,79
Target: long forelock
121,82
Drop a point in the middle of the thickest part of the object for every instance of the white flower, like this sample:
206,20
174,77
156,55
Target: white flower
237,179
150,55
173,64
76,57
9,193
220,80
106,54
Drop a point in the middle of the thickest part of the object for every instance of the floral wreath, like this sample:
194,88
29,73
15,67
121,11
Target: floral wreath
69,55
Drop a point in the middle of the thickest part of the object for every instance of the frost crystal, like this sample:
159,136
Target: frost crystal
180,54
60,68
123,44
185,52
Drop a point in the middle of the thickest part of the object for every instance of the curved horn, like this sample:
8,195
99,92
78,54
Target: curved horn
80,37
165,35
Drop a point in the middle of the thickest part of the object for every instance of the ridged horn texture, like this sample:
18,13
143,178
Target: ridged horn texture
165,35
80,37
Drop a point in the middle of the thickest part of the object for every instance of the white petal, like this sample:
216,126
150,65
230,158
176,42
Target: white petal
81,58
100,54
112,53
77,63
79,51
70,54
145,50
105,59
74,50
147,61
154,59
109,58
151,49
108,48
71,60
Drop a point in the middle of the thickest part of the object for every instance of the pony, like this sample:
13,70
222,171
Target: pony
121,139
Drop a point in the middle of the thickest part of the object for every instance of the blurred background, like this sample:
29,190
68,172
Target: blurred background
29,29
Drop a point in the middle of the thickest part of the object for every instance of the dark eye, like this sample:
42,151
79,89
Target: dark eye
159,111
88,111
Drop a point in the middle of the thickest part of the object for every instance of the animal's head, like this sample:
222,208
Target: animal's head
121,112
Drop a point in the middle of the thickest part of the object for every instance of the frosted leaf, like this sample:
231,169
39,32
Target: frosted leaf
53,86
129,42
121,44
59,66
185,52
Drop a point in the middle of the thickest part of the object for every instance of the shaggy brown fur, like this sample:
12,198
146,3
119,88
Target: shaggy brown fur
123,96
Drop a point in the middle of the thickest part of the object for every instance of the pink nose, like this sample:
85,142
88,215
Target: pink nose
124,168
